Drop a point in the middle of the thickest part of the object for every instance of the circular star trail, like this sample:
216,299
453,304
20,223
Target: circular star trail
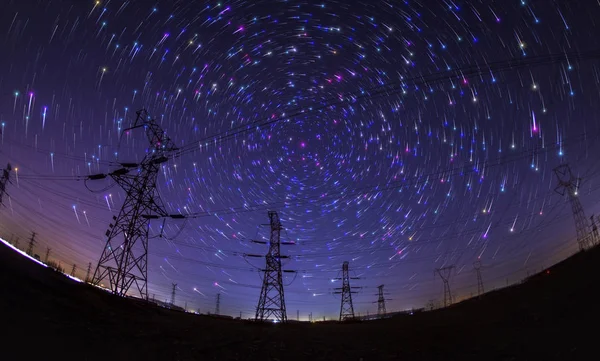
401,136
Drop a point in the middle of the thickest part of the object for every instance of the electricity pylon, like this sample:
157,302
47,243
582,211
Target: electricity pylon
477,267
5,179
346,308
31,244
272,302
48,249
173,294
569,184
87,275
218,305
381,310
444,274
124,259
73,270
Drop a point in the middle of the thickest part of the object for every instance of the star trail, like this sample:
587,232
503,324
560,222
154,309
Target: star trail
401,136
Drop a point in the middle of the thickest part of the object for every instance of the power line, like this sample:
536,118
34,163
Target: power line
421,179
393,88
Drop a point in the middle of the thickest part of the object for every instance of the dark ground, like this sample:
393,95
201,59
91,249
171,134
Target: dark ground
44,315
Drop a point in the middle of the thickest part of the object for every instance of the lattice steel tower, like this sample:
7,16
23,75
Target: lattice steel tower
173,294
568,184
477,267
381,311
346,308
5,179
444,274
271,302
124,259
31,244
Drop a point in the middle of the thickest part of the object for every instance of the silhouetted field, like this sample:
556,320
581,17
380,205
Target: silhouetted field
553,316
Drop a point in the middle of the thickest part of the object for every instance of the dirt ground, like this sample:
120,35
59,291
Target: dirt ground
553,316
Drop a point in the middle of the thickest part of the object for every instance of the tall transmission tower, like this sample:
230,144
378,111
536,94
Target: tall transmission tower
381,310
477,267
346,308
48,249
444,274
5,179
31,244
124,259
73,270
271,302
173,294
568,184
87,275
218,306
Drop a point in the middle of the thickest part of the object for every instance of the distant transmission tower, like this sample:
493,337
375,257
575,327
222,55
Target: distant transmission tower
346,308
568,184
5,179
124,259
48,249
87,275
173,294
444,274
381,310
477,267
218,306
73,270
271,302
31,244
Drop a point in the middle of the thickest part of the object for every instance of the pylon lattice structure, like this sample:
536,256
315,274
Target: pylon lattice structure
477,267
381,310
346,308
5,179
173,294
124,259
87,275
444,274
568,184
271,303
31,244
218,306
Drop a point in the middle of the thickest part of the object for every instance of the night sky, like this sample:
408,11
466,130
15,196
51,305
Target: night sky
364,136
